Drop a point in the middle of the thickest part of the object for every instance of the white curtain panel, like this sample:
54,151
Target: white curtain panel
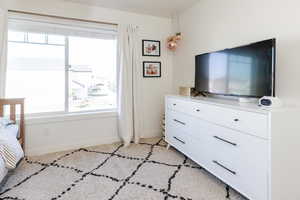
3,49
129,81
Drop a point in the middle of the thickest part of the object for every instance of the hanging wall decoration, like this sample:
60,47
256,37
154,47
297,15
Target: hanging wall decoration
151,69
172,42
151,48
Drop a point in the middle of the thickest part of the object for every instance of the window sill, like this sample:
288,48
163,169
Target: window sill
54,118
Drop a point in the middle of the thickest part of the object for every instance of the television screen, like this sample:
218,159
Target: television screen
246,71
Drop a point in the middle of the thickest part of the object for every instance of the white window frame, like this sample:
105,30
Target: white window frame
98,30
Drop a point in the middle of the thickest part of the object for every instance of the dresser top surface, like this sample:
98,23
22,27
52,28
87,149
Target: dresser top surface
234,104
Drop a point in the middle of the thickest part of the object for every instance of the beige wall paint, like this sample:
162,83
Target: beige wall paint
155,28
214,25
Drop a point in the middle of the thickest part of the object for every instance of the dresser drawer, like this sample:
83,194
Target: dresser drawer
177,105
252,123
178,139
240,160
181,121
187,107
194,148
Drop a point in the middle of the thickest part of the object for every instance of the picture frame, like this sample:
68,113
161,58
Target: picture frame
151,48
151,69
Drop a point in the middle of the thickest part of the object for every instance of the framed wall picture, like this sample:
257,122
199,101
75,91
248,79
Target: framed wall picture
151,48
151,69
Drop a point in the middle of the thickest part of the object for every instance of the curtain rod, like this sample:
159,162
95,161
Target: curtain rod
59,17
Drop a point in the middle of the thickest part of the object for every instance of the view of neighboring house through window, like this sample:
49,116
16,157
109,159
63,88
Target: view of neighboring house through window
92,76
61,72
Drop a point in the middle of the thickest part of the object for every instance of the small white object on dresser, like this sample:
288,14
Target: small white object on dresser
255,150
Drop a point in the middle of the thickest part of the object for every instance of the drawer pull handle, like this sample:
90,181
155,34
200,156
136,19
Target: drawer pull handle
217,137
179,140
236,120
180,122
198,110
174,104
219,164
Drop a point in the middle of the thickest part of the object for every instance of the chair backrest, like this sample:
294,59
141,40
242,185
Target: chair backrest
13,103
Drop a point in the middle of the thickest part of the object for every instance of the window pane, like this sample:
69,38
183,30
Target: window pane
16,36
36,72
56,39
36,38
93,74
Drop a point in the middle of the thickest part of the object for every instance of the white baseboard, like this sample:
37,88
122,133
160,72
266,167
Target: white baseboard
151,134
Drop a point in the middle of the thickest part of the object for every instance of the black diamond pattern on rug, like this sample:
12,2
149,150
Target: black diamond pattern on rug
145,171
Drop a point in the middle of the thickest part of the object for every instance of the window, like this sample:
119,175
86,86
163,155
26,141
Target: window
61,71
36,72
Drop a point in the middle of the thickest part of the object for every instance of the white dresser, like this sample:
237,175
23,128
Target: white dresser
254,150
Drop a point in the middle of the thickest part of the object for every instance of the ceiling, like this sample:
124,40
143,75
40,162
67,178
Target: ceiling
161,8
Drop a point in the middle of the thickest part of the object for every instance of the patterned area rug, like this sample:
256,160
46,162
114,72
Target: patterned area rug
146,171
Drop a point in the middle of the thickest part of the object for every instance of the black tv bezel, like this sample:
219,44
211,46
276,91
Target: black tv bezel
246,96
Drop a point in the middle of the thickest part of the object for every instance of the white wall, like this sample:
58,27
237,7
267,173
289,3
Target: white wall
2,4
214,25
56,133
55,136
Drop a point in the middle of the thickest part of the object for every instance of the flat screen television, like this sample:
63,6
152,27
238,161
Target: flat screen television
245,71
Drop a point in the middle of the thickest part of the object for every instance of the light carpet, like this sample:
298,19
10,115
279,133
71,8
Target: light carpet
145,171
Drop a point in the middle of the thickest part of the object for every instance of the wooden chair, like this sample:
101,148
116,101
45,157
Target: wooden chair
13,103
